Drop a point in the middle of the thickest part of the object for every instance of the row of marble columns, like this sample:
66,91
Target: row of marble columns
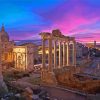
63,60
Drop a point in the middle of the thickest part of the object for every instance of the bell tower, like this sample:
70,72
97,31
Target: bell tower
4,37
2,28
94,44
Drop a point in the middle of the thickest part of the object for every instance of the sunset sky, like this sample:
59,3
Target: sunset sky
25,19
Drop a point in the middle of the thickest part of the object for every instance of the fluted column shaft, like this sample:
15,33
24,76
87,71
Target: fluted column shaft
55,55
64,54
15,59
74,53
50,54
60,55
43,53
68,54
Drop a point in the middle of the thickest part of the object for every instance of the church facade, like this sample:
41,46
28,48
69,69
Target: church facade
6,47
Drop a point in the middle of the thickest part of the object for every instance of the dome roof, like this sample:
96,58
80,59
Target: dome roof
4,37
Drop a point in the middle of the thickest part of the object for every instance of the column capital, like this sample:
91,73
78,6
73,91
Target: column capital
64,42
74,42
55,40
44,39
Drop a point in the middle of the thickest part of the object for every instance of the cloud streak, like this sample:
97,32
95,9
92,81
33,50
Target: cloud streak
79,18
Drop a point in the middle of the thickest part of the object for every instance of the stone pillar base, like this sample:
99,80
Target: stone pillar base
48,77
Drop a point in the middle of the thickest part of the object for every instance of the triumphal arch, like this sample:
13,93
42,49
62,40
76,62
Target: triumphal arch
61,53
20,57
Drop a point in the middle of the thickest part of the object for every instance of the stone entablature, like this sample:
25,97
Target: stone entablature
56,34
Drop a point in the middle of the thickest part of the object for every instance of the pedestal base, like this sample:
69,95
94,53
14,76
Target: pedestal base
48,77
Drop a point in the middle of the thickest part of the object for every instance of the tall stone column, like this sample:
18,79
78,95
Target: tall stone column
33,53
60,55
43,53
16,60
64,54
24,54
55,55
50,54
74,53
68,54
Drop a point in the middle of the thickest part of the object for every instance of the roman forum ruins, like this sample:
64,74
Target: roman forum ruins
61,50
21,57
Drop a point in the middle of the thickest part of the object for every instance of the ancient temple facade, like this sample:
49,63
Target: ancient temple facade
61,53
61,50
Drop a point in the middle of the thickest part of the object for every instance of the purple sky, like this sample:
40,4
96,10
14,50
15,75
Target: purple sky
25,19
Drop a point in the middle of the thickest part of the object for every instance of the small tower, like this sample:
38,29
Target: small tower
94,44
2,28
4,37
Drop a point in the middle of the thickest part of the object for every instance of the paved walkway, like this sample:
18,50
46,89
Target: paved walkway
57,93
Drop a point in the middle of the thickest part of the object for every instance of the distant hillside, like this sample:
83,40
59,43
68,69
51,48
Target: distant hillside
20,42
